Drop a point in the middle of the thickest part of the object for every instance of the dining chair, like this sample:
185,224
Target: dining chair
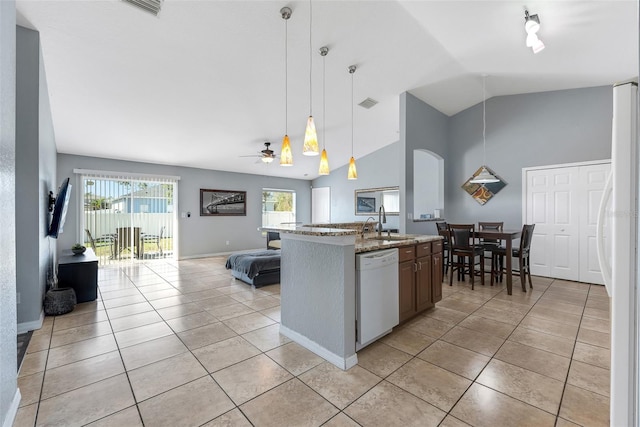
91,241
463,247
523,255
154,238
443,230
490,244
105,238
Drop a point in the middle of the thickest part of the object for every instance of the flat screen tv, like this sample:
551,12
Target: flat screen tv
60,209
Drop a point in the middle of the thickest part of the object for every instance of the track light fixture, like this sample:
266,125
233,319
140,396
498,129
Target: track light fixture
532,26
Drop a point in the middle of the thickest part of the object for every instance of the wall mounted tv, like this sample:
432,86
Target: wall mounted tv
60,208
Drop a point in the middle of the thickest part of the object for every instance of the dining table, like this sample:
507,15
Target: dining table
508,236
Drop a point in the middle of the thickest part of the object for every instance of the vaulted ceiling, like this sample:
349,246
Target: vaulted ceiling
203,83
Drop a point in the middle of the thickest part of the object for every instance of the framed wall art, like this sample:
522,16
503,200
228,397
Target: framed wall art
482,193
223,203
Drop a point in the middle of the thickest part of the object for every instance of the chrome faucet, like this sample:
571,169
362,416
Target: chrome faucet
382,219
364,226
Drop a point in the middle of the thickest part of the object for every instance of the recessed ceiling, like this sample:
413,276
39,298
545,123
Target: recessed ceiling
203,83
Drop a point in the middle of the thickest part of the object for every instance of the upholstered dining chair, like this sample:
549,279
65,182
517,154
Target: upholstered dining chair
522,253
490,244
463,247
443,230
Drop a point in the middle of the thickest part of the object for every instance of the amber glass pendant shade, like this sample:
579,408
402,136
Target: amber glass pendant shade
352,174
286,156
310,147
324,164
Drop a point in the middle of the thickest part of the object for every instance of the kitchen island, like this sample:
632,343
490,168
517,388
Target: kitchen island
318,286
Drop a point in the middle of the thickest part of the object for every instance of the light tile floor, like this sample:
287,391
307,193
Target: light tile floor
183,344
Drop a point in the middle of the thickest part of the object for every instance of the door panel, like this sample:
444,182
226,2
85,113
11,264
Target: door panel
406,283
554,248
563,204
423,283
592,182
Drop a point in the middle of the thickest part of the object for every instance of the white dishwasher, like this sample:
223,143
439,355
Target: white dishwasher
377,309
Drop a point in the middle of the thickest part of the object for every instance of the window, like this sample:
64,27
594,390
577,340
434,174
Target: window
143,203
278,207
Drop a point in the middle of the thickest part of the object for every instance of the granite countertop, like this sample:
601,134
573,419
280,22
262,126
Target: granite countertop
311,231
367,244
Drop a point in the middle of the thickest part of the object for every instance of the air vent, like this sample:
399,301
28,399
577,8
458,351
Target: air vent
151,6
368,103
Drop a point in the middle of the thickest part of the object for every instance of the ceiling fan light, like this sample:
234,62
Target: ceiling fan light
310,147
532,39
324,164
267,159
286,156
484,177
352,173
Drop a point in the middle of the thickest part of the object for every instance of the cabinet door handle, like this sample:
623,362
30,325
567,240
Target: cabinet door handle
419,265
415,267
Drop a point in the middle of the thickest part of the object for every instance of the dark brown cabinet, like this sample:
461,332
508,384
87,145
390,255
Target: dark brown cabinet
79,272
420,278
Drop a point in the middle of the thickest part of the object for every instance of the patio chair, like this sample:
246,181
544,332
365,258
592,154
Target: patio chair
154,238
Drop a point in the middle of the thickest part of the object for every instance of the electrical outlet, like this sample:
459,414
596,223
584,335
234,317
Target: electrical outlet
183,215
227,243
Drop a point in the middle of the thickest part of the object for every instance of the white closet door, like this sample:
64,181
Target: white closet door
321,205
592,181
552,205
563,203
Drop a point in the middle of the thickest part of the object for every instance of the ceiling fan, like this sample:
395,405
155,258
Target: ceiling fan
267,155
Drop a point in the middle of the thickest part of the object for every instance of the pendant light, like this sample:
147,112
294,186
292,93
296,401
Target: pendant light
352,173
324,160
484,177
286,156
310,147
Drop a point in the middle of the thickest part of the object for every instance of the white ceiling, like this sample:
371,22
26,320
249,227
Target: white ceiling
203,83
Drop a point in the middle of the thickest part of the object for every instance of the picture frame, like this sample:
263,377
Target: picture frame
223,202
365,204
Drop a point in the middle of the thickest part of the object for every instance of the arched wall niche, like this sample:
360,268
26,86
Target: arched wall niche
428,184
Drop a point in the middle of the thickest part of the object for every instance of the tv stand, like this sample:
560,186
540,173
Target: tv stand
79,272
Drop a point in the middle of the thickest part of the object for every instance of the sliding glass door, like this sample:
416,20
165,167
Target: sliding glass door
129,218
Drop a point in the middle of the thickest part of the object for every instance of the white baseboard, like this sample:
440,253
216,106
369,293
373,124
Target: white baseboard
13,410
32,325
343,363
219,254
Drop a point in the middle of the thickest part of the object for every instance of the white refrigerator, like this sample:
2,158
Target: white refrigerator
619,208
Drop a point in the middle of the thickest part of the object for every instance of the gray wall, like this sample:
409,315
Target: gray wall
522,131
421,127
35,176
378,169
198,236
8,375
